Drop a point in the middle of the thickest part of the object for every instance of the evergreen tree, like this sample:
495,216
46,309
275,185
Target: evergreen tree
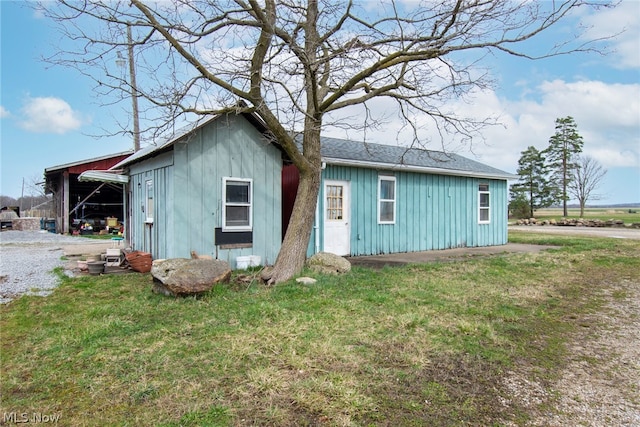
533,185
564,145
518,205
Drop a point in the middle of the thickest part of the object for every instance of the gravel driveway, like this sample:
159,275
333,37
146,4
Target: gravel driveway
27,259
600,385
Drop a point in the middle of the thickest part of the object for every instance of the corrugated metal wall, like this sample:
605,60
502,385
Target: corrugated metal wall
188,193
432,212
155,237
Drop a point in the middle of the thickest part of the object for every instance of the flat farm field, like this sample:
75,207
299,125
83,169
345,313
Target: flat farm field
628,214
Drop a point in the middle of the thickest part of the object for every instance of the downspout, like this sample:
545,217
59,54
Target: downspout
316,228
316,225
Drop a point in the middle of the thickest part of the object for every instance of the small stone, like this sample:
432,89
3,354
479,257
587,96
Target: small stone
306,280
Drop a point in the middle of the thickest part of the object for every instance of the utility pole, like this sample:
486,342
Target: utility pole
134,93
133,88
22,194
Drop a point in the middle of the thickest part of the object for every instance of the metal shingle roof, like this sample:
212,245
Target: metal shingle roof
346,152
357,153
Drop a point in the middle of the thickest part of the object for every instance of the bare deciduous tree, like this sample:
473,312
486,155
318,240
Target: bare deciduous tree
304,65
587,176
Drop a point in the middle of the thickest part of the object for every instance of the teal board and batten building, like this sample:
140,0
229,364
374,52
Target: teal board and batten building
379,199
214,189
221,188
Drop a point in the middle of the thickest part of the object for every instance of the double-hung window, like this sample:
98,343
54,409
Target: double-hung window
484,204
237,210
386,199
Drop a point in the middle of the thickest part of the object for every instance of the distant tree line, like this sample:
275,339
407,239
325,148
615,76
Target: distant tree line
33,198
27,203
556,174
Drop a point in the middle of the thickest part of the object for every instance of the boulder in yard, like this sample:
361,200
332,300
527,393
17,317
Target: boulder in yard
184,277
327,263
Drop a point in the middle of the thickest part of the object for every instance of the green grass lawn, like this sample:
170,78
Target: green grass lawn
417,345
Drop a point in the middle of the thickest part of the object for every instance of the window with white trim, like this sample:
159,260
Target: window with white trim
237,201
386,199
148,208
484,204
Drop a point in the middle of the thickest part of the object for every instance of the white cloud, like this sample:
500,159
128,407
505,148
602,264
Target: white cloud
607,116
623,20
49,115
596,103
609,156
4,112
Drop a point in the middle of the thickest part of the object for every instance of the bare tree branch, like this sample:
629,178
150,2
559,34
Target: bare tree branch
587,176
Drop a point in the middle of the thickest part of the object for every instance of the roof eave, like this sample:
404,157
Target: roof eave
187,130
419,169
103,176
80,162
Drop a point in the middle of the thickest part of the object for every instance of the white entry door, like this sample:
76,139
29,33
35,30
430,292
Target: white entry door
336,217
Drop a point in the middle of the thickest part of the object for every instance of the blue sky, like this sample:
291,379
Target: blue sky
49,115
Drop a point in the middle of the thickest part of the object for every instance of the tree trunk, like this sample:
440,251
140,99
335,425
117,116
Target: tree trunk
564,184
293,253
531,204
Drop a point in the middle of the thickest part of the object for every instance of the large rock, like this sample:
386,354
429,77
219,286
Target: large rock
326,263
183,277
